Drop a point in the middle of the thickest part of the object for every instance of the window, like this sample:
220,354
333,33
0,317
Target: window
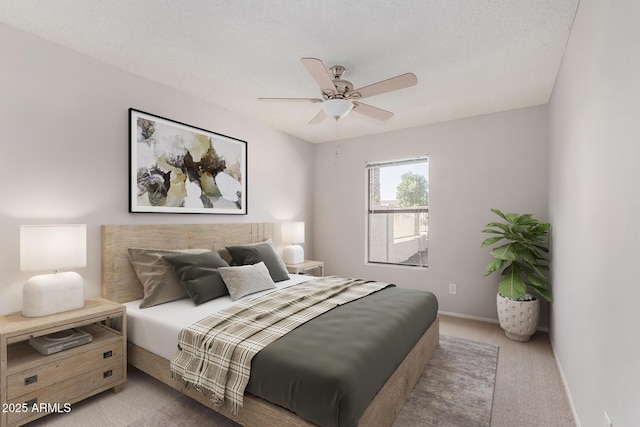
398,212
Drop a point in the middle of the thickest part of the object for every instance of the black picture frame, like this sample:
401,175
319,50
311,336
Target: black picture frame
178,168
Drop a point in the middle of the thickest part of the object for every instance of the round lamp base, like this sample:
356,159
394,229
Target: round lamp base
293,254
52,293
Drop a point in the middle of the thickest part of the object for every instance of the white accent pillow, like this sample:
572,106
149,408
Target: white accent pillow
246,279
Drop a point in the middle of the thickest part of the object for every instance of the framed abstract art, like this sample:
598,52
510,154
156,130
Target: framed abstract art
178,168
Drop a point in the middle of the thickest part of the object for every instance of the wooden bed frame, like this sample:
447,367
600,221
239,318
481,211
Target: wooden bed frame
120,283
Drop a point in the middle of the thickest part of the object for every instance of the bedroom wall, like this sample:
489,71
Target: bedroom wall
64,139
594,201
497,160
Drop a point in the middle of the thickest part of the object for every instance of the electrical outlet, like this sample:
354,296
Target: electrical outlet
452,288
607,420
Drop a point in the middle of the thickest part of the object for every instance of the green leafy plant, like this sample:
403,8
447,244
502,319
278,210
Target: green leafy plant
521,256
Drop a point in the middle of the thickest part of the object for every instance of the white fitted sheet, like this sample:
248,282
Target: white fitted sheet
156,328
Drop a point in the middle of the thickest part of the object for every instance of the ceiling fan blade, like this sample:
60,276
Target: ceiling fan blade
290,99
370,111
318,118
319,72
388,85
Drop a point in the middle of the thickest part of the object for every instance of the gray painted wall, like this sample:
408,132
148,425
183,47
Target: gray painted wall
497,160
594,201
64,139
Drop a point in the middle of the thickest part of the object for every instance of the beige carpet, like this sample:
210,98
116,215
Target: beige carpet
529,389
455,390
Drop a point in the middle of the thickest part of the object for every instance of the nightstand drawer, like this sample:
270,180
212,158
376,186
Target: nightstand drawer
68,391
62,369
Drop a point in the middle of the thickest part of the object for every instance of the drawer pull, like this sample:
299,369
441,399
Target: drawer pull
107,374
31,402
107,354
31,380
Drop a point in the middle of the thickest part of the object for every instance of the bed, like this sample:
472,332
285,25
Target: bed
120,283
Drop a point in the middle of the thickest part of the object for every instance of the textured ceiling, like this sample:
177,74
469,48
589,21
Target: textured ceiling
471,57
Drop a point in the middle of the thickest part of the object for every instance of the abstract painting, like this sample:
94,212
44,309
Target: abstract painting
178,168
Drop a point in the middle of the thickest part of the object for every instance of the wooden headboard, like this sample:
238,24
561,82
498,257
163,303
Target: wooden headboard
119,280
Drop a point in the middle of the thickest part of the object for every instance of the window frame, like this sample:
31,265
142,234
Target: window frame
417,210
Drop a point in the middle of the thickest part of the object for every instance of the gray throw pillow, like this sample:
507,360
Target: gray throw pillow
254,253
246,279
158,281
199,275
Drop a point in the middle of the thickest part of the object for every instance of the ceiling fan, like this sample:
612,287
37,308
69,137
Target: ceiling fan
338,95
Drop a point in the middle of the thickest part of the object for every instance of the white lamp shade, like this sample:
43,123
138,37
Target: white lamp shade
292,232
53,247
337,108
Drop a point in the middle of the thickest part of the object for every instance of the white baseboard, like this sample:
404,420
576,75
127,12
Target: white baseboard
482,319
466,316
564,382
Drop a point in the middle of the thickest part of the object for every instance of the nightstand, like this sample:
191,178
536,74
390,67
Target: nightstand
33,385
306,266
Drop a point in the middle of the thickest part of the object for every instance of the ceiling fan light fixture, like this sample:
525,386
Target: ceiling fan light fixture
339,96
337,107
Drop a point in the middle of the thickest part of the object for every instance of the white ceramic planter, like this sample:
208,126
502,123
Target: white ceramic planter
518,319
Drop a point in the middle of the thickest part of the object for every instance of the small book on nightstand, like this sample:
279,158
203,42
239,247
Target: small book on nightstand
60,341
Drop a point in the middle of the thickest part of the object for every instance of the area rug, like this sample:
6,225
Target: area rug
456,389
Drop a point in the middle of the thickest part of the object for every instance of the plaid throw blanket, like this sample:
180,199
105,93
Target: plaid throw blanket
214,355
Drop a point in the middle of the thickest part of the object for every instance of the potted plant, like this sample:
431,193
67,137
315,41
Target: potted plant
521,257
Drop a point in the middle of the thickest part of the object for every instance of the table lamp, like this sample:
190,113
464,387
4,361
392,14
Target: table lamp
53,248
293,233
